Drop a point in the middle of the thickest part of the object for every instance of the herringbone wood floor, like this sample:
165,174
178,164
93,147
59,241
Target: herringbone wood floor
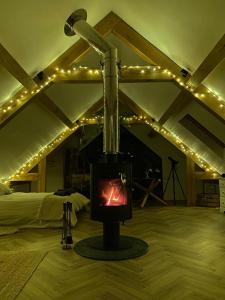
186,259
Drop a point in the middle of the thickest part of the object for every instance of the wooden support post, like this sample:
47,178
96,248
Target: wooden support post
42,175
191,183
26,177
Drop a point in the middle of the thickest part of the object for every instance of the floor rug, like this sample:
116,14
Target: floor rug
4,230
16,268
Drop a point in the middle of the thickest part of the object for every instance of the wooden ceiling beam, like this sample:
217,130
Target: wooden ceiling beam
208,102
15,69
95,108
14,111
152,55
128,75
27,177
201,175
42,176
178,104
209,63
144,48
46,102
139,111
89,113
124,99
73,54
57,142
112,23
76,52
191,182
195,81
202,131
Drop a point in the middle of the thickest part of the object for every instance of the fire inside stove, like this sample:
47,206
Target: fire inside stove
112,192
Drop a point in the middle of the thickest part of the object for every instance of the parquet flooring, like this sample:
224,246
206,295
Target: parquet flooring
186,260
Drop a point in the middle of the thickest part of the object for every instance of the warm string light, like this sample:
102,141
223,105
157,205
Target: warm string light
175,140
24,95
45,150
15,102
42,153
143,70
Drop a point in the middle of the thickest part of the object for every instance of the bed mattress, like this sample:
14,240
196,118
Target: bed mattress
20,208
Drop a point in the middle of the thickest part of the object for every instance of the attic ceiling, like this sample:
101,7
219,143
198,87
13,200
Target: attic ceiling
32,32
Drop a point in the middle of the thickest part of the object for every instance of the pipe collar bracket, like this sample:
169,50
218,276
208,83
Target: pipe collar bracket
77,15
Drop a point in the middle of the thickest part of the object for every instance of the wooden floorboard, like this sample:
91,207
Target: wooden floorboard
186,259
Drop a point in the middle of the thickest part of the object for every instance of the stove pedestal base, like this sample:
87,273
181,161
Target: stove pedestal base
93,247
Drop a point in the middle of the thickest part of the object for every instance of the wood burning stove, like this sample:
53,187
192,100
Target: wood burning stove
111,179
111,175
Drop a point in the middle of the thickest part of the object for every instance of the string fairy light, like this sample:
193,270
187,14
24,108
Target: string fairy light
58,74
126,120
8,107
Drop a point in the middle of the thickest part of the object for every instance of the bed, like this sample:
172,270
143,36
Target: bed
37,209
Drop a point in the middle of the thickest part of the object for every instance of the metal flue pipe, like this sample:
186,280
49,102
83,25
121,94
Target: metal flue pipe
76,24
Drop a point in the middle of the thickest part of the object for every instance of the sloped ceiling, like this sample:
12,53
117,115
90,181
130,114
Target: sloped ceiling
181,29
25,135
152,97
216,79
33,34
74,100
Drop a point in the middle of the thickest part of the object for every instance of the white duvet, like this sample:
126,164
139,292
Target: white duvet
37,209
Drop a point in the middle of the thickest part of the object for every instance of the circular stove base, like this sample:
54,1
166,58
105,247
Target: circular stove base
130,247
